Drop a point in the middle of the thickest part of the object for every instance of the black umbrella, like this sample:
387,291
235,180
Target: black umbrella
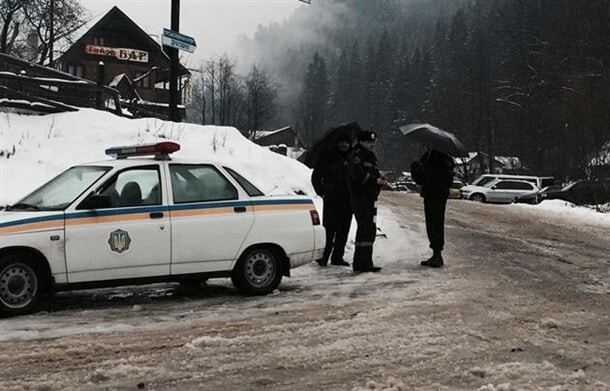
435,138
327,141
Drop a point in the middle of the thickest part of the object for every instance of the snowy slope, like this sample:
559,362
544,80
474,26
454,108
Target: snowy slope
46,145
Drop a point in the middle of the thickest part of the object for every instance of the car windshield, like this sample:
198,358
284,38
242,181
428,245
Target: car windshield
61,191
483,180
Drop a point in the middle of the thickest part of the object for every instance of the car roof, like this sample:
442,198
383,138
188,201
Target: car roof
511,180
514,176
136,161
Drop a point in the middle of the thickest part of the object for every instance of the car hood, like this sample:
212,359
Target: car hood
21,221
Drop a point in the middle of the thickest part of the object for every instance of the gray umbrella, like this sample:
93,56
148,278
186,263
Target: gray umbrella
435,138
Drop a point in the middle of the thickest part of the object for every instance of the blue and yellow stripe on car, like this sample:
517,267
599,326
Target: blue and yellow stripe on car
72,219
33,224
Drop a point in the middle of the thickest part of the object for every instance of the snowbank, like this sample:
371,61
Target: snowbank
570,212
46,145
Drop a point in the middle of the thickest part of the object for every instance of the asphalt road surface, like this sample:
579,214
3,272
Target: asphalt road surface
522,304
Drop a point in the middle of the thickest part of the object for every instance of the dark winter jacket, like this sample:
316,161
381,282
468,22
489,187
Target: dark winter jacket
362,173
329,176
434,173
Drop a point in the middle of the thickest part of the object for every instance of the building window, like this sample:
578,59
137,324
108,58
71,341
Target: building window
75,70
143,81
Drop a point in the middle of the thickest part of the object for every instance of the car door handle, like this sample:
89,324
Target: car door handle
156,215
239,209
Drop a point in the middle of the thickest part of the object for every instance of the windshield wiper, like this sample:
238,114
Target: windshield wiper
22,205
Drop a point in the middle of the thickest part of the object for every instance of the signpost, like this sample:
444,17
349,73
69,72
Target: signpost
173,66
178,41
174,41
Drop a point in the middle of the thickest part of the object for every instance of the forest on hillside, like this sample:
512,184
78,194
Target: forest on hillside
524,78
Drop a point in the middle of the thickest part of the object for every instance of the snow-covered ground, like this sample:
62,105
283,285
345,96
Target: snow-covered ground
36,148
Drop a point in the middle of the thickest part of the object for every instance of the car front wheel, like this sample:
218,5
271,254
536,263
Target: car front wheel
257,272
478,197
20,285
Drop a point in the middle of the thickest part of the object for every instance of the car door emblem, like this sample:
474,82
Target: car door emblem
119,241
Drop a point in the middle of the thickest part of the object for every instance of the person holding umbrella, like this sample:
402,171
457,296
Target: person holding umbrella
330,182
434,173
364,181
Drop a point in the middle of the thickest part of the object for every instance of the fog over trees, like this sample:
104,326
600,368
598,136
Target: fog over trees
510,77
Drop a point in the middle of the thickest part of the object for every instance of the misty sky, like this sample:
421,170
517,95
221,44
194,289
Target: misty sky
213,23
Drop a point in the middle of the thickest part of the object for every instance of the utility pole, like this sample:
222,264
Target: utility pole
174,115
51,32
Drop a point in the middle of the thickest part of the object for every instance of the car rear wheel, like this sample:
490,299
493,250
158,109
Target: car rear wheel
21,285
257,272
478,197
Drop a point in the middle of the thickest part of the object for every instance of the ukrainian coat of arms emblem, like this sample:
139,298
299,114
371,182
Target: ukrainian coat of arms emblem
119,241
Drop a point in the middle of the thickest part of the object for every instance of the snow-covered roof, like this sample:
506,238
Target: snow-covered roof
265,133
466,160
508,161
505,161
117,79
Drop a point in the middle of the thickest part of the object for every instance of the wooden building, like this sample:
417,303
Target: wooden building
132,59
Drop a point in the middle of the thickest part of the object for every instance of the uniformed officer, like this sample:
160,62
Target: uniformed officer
364,182
434,173
330,182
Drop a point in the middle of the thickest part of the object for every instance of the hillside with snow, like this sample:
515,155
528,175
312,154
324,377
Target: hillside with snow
33,149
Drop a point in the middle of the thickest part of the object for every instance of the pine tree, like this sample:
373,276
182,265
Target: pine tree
341,91
315,99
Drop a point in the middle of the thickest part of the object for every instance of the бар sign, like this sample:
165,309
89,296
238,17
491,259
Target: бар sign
124,54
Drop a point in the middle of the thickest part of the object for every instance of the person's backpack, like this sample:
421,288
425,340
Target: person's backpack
418,172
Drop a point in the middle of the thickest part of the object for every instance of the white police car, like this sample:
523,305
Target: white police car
141,220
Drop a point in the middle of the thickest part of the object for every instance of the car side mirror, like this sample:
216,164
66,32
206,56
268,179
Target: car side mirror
96,201
494,187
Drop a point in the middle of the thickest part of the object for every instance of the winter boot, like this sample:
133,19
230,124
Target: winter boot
435,261
339,262
371,269
322,262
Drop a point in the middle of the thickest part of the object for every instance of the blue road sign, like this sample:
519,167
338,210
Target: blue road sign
179,41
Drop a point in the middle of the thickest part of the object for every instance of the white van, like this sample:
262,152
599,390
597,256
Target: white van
540,182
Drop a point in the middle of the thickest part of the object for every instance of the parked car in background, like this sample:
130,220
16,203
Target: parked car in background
535,197
410,187
539,181
454,190
497,191
583,192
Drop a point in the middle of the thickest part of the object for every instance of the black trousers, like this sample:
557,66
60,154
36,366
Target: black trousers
365,212
434,208
337,219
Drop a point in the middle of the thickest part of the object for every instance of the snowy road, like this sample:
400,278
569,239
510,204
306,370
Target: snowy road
523,304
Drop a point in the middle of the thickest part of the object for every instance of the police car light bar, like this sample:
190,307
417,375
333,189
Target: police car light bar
161,148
